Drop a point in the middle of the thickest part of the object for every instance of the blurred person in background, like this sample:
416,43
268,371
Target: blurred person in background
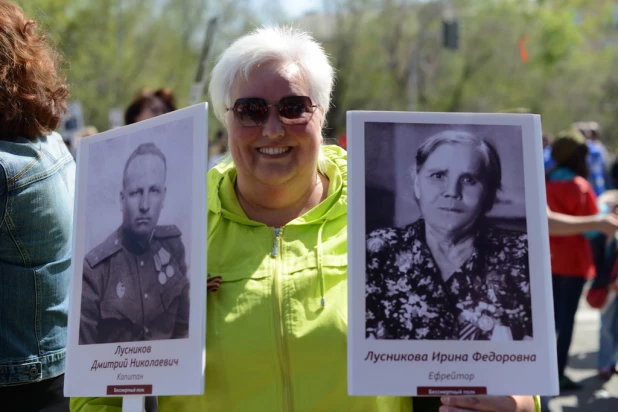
597,155
281,201
148,104
595,159
602,294
566,225
613,173
217,149
594,138
572,261
548,139
85,132
37,175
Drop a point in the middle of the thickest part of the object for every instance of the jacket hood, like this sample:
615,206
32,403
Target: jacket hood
222,197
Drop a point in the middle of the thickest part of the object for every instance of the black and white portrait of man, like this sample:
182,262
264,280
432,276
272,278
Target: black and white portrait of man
135,283
446,245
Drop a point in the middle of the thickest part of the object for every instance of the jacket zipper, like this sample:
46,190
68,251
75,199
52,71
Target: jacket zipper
280,327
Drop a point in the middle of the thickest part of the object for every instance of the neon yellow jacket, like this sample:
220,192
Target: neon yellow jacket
271,344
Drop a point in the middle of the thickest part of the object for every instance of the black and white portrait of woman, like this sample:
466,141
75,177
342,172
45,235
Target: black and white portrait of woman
452,262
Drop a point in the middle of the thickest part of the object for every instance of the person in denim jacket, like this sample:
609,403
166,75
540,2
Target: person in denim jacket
37,177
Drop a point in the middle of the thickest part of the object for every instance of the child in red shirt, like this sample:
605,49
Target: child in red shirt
572,261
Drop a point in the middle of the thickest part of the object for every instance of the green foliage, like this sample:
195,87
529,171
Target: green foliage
388,53
115,48
557,34
397,60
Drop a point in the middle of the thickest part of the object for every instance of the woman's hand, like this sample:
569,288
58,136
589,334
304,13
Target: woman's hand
487,403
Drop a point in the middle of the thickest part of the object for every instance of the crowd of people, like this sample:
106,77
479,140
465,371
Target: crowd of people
579,179
271,89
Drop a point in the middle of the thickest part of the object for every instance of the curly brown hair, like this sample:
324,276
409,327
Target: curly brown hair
33,91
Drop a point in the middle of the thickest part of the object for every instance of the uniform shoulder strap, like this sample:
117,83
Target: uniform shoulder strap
107,248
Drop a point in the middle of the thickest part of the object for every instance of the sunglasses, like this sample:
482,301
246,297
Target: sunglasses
293,110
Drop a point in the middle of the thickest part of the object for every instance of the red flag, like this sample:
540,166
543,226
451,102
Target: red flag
523,53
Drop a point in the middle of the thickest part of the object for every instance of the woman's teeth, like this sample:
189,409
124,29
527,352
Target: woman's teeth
273,150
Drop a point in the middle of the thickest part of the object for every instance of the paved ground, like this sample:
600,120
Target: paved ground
596,396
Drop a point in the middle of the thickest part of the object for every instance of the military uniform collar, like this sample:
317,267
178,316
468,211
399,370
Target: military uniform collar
132,243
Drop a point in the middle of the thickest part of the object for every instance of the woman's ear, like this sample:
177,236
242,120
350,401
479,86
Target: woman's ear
417,190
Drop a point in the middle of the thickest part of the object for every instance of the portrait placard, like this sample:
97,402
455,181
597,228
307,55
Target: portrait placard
138,285
449,269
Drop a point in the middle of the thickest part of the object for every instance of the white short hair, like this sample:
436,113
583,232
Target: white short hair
271,44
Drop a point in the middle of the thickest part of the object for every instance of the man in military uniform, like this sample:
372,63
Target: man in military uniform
135,285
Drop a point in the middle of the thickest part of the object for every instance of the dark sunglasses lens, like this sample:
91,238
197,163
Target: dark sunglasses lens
295,107
292,107
251,112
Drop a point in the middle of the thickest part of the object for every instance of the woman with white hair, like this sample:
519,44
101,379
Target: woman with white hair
277,242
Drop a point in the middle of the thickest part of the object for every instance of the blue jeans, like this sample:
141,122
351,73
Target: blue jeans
608,337
567,291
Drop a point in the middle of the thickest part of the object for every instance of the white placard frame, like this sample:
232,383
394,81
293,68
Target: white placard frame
97,369
371,371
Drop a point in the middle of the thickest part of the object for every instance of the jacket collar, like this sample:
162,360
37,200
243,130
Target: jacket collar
222,198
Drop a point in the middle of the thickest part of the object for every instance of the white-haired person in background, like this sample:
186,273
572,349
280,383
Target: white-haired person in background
277,244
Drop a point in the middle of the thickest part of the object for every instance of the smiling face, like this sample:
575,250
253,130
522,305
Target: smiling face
274,153
143,194
450,189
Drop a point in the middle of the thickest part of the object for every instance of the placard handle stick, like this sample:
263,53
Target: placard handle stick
133,403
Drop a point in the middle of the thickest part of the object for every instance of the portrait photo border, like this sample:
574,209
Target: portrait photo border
431,367
145,368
